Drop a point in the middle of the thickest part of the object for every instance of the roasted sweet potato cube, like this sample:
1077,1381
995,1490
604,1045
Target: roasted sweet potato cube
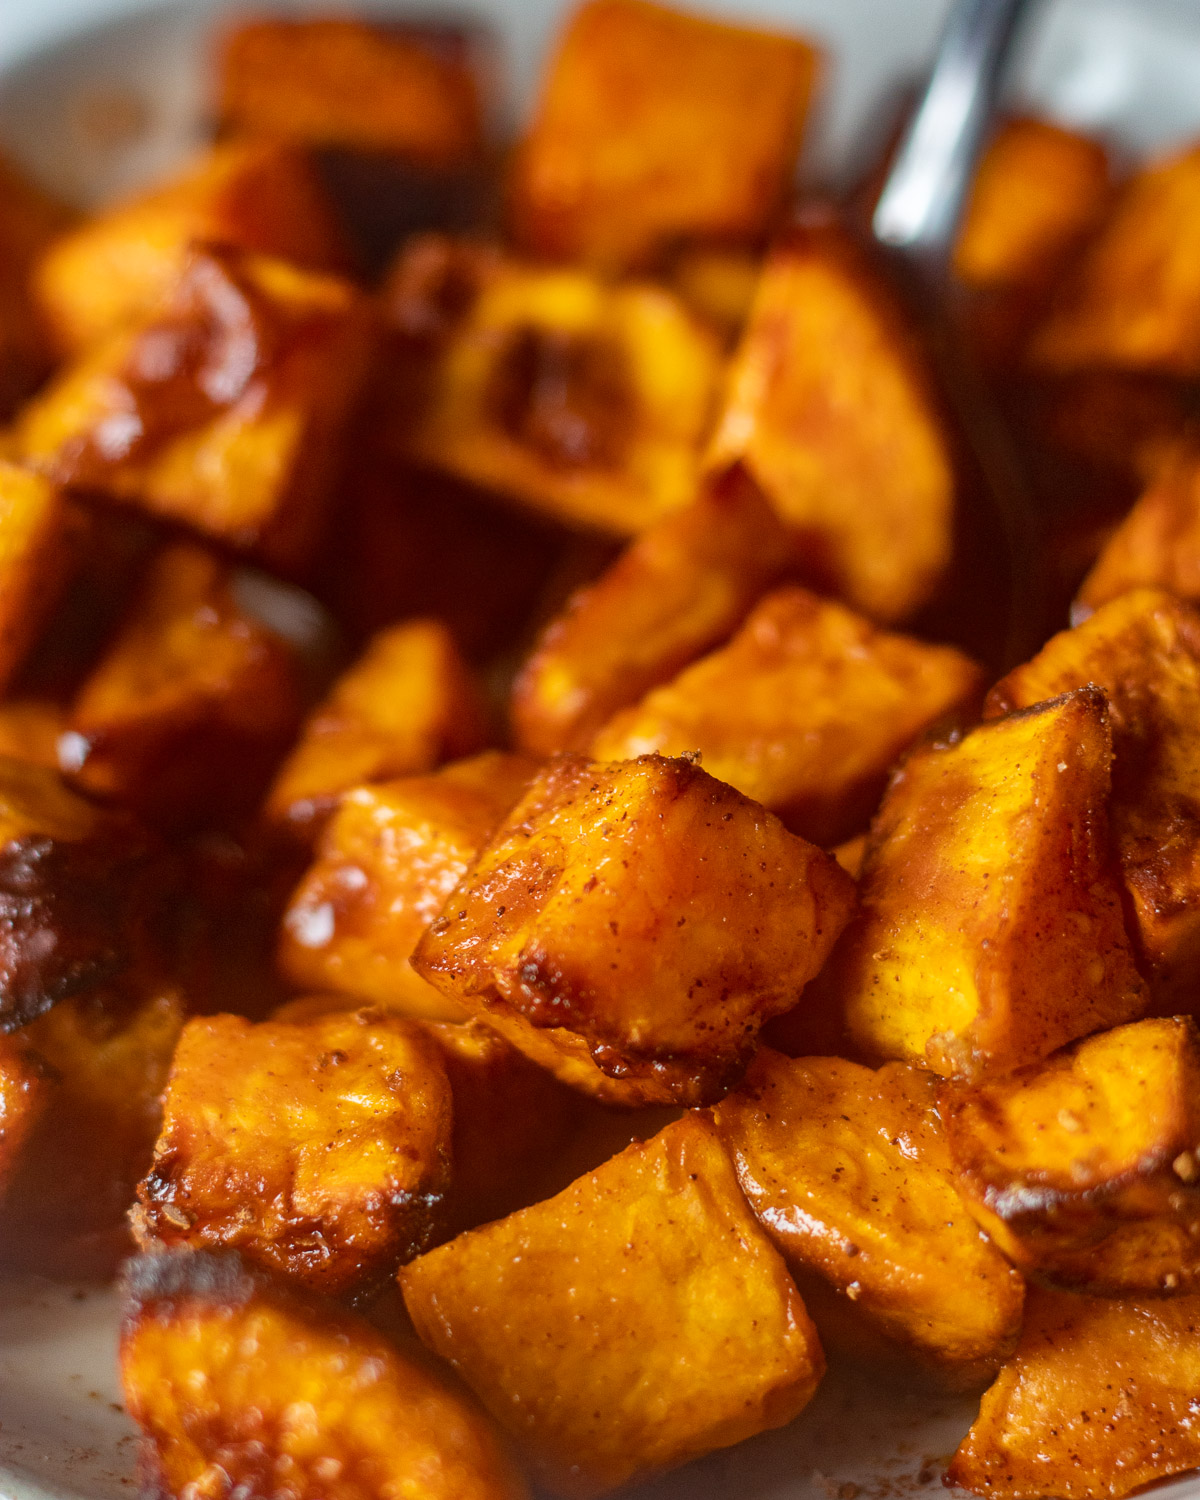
849,1173
1133,301
406,705
38,533
643,917
872,501
1039,192
188,712
385,864
681,588
991,930
583,400
400,89
260,195
222,408
1098,1400
626,157
28,221
1157,545
1072,1163
319,1147
718,283
238,1380
805,710
636,1320
1143,649
29,730
26,1090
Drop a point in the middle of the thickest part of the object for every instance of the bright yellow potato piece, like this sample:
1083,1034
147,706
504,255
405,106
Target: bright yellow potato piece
681,588
805,710
221,408
991,930
385,864
38,533
240,1382
1133,303
641,917
1143,649
849,1173
627,155
828,407
635,1321
1072,1164
407,704
26,1092
114,269
1098,1400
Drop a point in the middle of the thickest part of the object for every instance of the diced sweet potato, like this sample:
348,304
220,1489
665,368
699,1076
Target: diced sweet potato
261,196
28,221
681,588
872,501
1038,193
386,862
1143,650
29,730
636,1320
406,705
191,708
1073,1164
849,1173
222,408
1157,545
240,1382
1098,1400
718,283
805,710
1133,302
627,156
642,919
38,533
991,930
319,1147
26,1089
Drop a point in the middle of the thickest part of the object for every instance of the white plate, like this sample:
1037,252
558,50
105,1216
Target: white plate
1127,68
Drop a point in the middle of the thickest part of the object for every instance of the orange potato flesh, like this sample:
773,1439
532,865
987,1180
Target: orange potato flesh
236,1380
27,1089
342,83
641,916
805,710
1143,650
221,408
636,1320
1099,1399
259,195
991,930
385,863
38,534
678,590
871,501
718,283
319,1147
407,704
849,1173
29,730
626,157
1070,1164
28,222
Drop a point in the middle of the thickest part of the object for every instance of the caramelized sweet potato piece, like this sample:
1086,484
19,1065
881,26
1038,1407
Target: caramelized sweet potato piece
399,89
991,930
805,710
222,408
319,1147
627,156
849,1173
1143,649
1074,1164
386,862
636,1320
406,705
28,221
26,1090
191,708
261,196
30,729
1157,545
1133,302
38,534
681,588
872,501
718,283
1098,1400
240,1382
641,919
